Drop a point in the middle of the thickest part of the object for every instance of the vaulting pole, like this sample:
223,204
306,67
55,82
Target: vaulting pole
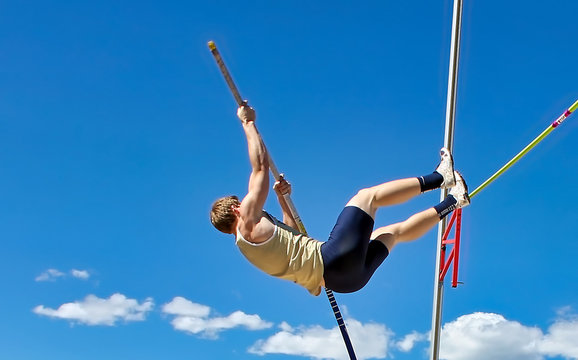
448,143
292,208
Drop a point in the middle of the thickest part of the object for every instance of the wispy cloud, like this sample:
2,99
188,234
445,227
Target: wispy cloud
96,311
408,342
371,341
54,274
50,275
80,274
195,318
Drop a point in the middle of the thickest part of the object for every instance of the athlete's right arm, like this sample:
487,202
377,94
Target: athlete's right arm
252,205
283,187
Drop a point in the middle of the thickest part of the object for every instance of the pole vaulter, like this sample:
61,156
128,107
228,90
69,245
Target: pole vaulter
442,265
277,175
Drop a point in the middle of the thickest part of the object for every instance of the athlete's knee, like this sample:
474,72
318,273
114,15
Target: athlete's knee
365,200
388,235
365,196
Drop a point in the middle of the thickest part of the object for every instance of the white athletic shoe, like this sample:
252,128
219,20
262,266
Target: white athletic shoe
460,191
446,169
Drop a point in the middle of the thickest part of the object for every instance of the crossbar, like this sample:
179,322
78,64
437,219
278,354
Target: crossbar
525,150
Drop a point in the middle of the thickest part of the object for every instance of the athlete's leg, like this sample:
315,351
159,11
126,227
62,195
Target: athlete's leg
389,193
412,228
399,191
418,224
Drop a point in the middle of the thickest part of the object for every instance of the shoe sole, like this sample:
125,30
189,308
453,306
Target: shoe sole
445,186
466,194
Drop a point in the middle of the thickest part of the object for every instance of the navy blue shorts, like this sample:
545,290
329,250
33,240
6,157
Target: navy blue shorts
350,257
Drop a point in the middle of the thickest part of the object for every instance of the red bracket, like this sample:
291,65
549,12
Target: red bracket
455,252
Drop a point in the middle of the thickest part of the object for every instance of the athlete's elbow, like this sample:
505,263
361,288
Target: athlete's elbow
263,163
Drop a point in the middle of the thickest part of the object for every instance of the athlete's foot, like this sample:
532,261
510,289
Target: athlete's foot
446,169
460,191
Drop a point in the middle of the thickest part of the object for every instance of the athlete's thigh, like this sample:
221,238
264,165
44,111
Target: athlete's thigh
364,200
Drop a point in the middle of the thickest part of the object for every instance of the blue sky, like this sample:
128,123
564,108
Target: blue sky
117,132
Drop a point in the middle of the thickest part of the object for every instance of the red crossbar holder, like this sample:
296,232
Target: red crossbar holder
455,253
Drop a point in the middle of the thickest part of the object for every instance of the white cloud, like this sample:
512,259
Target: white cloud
477,336
488,336
369,341
182,307
80,274
49,275
96,311
562,339
480,336
194,318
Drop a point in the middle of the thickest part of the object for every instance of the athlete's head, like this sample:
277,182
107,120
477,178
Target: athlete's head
223,216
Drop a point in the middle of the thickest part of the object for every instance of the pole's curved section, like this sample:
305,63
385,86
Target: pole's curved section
292,208
448,143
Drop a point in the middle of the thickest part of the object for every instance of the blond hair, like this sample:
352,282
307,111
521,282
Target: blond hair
222,215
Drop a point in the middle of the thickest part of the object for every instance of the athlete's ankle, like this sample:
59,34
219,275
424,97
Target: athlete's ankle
448,205
430,182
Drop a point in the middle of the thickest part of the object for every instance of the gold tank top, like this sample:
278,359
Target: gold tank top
287,254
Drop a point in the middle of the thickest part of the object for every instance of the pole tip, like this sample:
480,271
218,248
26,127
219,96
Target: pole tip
574,106
212,45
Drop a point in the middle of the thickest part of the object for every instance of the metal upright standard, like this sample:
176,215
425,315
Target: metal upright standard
448,143
294,212
443,264
457,215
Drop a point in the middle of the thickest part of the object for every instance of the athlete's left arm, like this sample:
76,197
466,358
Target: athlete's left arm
281,188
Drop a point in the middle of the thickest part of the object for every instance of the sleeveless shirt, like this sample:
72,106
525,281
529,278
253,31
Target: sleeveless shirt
287,254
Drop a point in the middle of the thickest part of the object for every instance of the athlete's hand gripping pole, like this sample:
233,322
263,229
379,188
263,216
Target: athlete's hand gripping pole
287,197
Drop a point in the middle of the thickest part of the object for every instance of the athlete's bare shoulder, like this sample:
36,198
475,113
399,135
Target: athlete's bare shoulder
259,232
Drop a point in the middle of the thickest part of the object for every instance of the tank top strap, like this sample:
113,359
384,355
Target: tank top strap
271,218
